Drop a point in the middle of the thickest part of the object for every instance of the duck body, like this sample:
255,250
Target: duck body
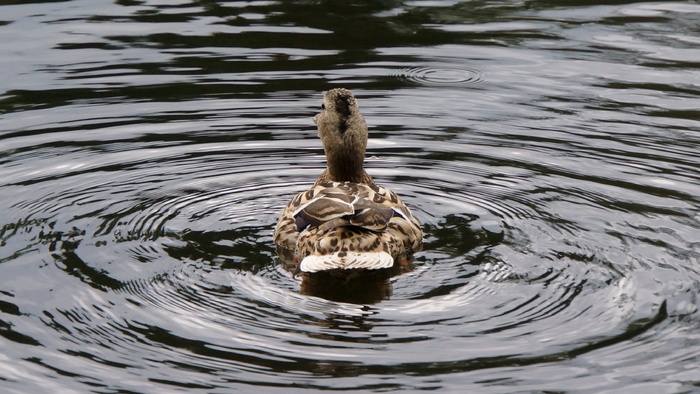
345,222
346,225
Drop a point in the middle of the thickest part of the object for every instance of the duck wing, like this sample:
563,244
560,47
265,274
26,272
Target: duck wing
343,205
336,225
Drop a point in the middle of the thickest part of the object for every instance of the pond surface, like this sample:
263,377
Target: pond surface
550,150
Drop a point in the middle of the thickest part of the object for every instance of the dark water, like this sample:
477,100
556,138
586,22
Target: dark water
550,150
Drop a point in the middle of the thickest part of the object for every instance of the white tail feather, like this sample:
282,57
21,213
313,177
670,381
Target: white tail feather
347,260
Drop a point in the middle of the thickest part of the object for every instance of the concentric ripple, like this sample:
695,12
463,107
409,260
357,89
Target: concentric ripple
440,76
181,270
147,150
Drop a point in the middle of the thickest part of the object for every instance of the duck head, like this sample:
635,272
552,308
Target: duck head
343,131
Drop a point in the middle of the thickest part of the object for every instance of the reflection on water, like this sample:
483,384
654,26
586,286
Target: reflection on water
360,288
549,149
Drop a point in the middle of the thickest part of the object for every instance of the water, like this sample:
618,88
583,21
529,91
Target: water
549,149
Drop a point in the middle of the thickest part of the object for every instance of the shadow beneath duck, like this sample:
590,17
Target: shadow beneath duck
355,286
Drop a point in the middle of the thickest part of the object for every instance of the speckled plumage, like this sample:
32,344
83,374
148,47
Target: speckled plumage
345,221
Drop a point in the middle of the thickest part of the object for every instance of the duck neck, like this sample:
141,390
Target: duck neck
347,167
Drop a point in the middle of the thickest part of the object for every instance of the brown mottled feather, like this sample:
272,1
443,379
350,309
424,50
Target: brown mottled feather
344,220
375,224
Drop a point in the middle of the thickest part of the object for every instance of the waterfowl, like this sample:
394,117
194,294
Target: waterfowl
345,221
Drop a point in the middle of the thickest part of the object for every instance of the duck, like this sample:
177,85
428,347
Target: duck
345,221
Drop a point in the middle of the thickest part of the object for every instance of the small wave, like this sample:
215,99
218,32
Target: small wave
441,76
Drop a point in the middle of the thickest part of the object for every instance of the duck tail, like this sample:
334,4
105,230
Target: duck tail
347,260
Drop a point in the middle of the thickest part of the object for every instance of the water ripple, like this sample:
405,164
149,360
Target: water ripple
549,151
437,76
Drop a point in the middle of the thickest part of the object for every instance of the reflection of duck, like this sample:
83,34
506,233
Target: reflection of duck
345,223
